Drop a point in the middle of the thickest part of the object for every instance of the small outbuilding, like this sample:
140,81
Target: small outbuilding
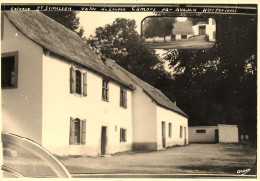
222,133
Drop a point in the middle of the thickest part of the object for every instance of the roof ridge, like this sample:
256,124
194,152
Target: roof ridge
60,24
59,40
156,91
132,75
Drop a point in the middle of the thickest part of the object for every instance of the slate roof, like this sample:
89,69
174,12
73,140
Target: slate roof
183,28
59,40
154,93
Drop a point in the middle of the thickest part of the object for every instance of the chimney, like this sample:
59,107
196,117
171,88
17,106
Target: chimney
174,102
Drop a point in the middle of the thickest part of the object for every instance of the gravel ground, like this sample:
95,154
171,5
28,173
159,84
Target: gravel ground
192,159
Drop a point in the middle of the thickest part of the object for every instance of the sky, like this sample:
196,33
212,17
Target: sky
90,20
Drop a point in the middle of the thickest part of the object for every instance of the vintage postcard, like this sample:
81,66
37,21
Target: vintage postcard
129,90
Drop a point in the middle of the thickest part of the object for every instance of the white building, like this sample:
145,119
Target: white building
206,28
182,30
59,93
222,133
157,122
185,29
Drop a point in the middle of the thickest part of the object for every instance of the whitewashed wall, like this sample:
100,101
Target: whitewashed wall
158,39
228,133
59,105
178,37
177,120
22,106
144,121
210,28
209,136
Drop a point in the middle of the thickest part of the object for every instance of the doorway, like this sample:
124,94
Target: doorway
163,135
216,136
202,30
185,139
103,140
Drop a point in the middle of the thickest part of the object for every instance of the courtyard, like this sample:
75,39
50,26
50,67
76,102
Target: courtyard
194,159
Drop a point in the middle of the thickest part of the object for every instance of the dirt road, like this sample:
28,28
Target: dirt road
194,158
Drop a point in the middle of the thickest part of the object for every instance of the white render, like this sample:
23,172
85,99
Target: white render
228,133
208,137
210,29
59,105
22,106
41,107
176,120
147,123
158,39
178,36
144,121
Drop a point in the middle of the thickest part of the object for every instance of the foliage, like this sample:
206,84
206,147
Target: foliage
68,19
120,42
158,26
218,85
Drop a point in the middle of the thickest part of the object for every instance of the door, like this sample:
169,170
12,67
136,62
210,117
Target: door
163,135
103,140
185,139
202,30
216,136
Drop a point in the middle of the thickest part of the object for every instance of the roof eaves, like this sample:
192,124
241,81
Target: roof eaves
185,115
64,56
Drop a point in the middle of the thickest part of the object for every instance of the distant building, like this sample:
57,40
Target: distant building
222,133
182,30
57,92
185,29
206,28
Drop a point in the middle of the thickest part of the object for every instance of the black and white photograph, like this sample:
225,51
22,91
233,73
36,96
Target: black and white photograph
129,90
179,32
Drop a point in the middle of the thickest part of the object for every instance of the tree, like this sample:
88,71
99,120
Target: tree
68,19
120,42
218,85
158,26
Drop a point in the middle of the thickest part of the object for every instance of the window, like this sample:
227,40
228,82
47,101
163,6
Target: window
123,98
76,84
173,37
105,90
77,131
9,70
170,130
200,131
122,135
183,36
181,130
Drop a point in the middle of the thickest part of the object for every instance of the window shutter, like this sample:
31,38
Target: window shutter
125,135
120,97
103,90
107,90
125,97
72,130
83,135
120,134
72,80
85,84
